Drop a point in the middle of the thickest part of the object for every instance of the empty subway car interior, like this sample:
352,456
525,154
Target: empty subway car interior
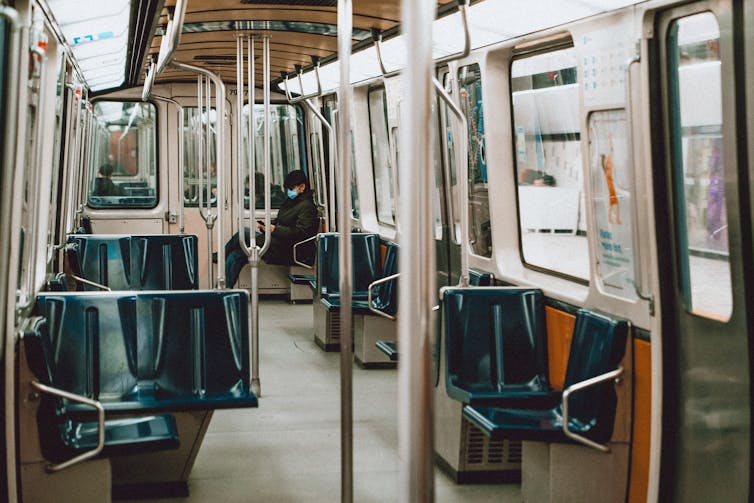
517,269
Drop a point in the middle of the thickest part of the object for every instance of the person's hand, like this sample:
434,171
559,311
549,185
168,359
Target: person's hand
272,228
260,226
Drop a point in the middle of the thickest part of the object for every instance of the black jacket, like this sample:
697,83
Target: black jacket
297,220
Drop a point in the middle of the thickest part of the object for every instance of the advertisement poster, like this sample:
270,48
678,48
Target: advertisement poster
612,200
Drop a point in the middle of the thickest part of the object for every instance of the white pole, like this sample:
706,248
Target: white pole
417,290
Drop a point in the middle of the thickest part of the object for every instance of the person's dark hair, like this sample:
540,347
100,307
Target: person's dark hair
296,177
106,170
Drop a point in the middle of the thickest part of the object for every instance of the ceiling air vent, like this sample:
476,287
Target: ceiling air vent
305,3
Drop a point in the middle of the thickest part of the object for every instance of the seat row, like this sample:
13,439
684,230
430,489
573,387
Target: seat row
140,369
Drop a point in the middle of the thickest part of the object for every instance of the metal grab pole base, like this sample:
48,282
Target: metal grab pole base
210,223
256,385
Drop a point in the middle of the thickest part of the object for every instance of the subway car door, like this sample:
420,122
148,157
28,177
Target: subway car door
705,252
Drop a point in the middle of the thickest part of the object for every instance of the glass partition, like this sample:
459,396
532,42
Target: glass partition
123,156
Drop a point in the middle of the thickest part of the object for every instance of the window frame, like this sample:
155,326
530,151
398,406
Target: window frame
157,167
389,157
561,45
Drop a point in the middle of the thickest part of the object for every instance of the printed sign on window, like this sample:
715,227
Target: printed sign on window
612,199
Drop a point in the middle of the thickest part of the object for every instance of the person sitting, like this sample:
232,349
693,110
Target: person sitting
297,220
103,184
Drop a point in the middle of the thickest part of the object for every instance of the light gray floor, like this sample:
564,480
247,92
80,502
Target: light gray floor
288,450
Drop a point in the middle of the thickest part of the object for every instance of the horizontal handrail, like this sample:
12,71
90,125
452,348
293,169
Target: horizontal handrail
463,6
607,376
295,249
148,81
90,283
173,34
100,424
369,295
299,73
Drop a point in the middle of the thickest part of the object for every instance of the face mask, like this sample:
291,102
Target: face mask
292,193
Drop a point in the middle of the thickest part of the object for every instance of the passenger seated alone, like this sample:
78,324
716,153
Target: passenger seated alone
103,184
297,220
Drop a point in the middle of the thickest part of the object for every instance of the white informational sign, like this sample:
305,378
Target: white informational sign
612,200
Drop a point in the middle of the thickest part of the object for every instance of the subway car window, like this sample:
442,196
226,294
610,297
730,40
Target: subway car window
381,156
480,226
698,165
549,174
124,155
331,114
287,149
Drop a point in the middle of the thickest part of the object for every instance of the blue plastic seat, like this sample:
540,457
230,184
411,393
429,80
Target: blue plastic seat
138,262
366,266
496,346
149,351
63,437
597,348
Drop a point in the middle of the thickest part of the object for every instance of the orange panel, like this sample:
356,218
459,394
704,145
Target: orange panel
559,335
383,252
637,491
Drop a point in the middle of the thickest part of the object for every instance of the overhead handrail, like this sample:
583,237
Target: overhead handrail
332,160
463,6
345,99
299,72
607,376
207,215
464,180
181,154
42,388
172,37
369,295
149,81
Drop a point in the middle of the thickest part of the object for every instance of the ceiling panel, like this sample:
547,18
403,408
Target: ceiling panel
210,29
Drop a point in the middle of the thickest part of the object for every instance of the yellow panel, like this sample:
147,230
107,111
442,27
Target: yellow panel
559,335
638,485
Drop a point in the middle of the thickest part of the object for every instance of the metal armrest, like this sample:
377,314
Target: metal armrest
369,295
90,283
100,424
295,259
607,376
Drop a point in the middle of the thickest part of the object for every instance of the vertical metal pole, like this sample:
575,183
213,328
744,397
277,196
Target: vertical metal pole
416,289
220,176
181,168
256,385
345,28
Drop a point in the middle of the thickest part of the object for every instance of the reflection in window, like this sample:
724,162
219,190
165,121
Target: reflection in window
480,227
545,98
123,158
381,156
698,165
287,149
